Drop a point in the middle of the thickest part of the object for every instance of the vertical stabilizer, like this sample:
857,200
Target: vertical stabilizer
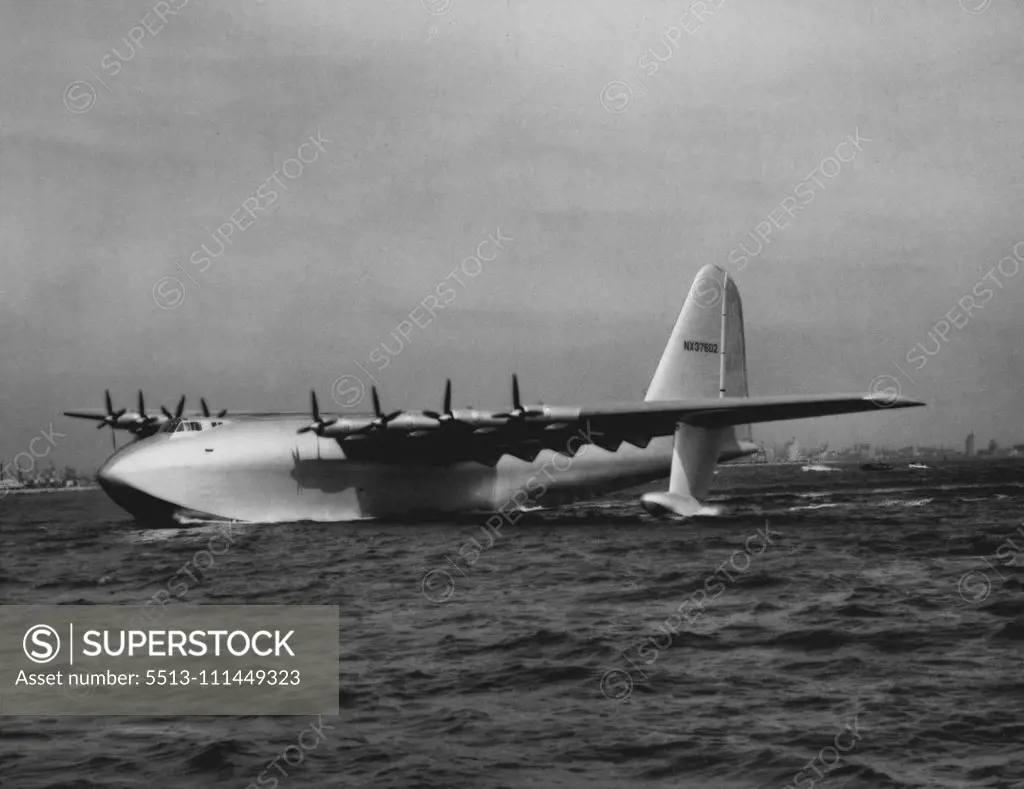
705,358
690,365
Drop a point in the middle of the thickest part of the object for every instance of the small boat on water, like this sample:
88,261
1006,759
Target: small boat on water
917,465
818,467
875,467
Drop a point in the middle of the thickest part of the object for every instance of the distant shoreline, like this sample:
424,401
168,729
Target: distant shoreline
897,461
8,491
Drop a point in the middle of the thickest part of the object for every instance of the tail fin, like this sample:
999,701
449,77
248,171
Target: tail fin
705,357
690,366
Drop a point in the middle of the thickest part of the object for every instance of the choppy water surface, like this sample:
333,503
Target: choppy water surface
873,636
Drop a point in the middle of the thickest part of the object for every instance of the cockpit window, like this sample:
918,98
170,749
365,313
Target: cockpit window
188,425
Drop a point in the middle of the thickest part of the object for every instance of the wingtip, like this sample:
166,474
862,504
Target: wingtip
898,401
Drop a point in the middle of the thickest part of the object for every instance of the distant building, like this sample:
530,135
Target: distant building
969,445
864,451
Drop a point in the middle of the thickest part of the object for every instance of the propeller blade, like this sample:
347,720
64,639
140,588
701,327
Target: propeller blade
376,401
518,411
119,414
392,415
202,402
102,424
448,396
432,414
166,413
142,405
110,405
181,407
222,412
318,424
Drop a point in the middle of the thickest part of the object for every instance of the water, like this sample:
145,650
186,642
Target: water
868,634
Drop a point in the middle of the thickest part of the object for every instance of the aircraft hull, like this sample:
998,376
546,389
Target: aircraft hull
262,471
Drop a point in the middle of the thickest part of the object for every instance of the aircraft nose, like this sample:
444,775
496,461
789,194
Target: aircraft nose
118,472
128,479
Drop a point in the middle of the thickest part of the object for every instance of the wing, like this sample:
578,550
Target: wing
94,413
660,418
485,437
130,422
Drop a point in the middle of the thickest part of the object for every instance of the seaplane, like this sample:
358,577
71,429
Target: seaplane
320,467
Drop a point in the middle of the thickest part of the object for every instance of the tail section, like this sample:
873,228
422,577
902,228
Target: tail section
690,366
705,357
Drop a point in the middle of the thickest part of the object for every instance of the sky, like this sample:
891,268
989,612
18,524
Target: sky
598,153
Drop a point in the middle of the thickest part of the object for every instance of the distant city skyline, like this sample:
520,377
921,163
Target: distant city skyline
793,450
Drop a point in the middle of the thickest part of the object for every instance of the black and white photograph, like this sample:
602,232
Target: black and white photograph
503,394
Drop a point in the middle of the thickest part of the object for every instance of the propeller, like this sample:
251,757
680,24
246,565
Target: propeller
146,419
112,416
446,417
206,411
381,422
318,424
177,411
518,411
110,420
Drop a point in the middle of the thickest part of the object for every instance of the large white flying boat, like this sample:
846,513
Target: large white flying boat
290,467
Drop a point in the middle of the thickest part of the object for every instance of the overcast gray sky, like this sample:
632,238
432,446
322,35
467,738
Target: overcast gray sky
437,129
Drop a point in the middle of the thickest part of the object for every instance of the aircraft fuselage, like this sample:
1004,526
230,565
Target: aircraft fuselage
261,470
